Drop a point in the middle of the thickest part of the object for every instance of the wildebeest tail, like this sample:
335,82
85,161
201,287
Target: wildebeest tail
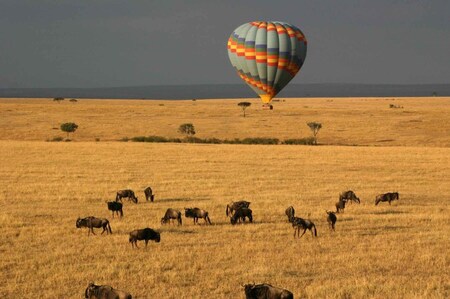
179,219
228,210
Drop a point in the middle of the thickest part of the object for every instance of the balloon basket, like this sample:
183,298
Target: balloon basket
267,107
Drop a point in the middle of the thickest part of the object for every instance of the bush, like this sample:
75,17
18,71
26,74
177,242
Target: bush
69,128
260,141
302,141
192,139
187,129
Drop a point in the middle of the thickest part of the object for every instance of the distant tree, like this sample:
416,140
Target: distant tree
58,100
315,127
73,100
244,105
187,129
69,128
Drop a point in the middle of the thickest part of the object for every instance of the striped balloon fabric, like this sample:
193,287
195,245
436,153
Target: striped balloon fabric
267,55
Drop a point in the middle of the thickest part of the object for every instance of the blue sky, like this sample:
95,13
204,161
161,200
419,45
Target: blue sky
107,43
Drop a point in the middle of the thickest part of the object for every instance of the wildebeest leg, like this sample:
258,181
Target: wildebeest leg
146,242
297,230
135,244
304,231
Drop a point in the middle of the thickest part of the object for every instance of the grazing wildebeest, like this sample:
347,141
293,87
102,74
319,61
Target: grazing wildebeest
349,196
149,194
340,206
290,213
241,213
104,292
115,207
127,193
171,214
234,206
390,196
331,219
300,223
197,213
145,234
266,291
91,222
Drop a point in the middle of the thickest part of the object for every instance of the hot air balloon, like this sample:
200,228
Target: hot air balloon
267,55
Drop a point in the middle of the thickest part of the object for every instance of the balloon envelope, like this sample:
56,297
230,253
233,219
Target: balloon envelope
267,55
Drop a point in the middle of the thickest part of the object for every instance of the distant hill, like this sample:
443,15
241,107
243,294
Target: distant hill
220,91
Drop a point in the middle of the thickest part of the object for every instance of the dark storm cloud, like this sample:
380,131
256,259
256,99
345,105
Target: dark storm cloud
127,43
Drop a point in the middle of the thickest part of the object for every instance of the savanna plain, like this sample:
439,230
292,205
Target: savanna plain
385,251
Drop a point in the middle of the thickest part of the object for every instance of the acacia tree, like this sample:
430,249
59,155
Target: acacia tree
315,128
187,129
244,105
69,128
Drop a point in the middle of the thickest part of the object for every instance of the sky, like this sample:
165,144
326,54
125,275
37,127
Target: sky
116,43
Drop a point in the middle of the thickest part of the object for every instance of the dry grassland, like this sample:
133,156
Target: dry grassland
346,121
398,251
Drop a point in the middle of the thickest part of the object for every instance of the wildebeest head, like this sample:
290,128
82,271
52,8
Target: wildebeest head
78,223
188,212
90,290
248,288
158,237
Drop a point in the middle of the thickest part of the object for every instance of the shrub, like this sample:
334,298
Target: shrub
69,128
315,128
303,141
187,129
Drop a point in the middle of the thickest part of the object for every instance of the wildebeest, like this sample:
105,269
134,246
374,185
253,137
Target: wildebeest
331,219
234,206
241,213
149,194
104,292
349,196
115,207
91,222
266,291
145,234
290,213
127,193
300,223
171,214
197,213
390,196
340,206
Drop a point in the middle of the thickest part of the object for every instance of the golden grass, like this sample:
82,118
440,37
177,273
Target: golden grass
347,121
398,251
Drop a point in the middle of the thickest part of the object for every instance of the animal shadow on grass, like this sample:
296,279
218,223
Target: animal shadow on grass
389,212
178,231
182,199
